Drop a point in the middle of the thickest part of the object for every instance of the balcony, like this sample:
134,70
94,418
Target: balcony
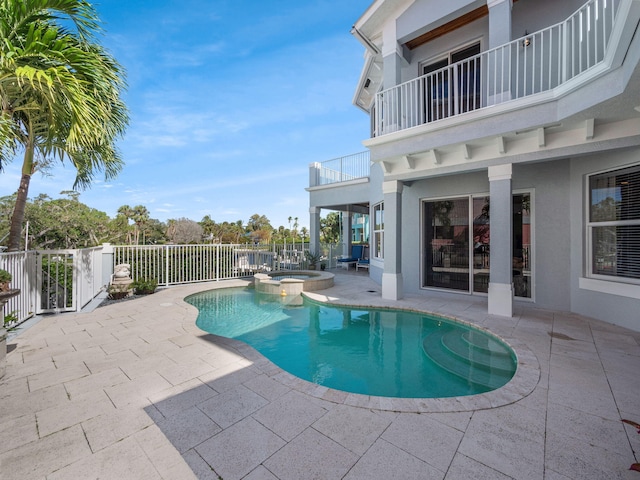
540,65
337,170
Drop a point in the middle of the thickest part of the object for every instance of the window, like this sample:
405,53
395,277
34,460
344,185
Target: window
378,230
614,224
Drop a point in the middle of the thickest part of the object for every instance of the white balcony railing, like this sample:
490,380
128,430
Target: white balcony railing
536,63
343,169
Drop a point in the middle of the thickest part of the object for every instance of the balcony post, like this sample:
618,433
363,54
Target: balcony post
314,174
501,265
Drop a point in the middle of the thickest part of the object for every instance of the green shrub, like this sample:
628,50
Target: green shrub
144,286
5,277
10,319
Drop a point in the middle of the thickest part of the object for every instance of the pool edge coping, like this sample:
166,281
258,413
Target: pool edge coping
521,385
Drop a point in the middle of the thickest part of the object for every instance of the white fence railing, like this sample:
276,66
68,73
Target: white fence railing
55,281
536,63
342,169
22,266
52,281
177,264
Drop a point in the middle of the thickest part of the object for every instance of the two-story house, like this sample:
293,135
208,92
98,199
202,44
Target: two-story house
504,153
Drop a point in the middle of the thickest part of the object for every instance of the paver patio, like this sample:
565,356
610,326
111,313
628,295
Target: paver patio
135,390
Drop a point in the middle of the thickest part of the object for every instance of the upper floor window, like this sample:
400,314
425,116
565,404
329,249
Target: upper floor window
454,89
614,224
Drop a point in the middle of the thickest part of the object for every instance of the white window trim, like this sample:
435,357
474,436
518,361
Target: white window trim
604,283
628,290
373,252
532,252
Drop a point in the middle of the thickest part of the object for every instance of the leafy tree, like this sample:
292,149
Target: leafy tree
209,228
258,222
330,228
184,231
59,94
120,230
7,204
154,232
65,223
304,233
259,229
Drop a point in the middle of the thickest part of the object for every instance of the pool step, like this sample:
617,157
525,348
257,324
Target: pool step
479,349
480,362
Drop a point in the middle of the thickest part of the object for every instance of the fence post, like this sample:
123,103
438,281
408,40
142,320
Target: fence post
107,263
218,262
166,265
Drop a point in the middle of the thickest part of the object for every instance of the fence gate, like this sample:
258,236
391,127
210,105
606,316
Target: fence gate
56,283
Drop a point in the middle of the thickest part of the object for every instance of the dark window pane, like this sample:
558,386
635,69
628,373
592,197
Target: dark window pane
616,251
447,244
615,196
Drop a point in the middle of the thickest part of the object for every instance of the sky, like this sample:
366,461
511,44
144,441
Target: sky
229,102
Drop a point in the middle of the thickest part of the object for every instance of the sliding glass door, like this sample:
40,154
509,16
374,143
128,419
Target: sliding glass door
446,238
457,257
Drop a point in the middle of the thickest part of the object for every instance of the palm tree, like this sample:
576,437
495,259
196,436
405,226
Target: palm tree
140,218
59,94
127,212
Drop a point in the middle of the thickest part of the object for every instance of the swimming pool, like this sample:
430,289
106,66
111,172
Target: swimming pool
387,353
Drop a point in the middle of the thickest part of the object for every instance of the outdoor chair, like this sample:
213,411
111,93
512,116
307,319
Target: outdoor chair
364,261
356,254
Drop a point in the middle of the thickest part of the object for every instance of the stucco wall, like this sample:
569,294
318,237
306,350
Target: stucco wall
530,16
551,230
548,182
612,308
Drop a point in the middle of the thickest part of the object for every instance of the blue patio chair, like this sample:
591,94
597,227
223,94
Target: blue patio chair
364,261
356,254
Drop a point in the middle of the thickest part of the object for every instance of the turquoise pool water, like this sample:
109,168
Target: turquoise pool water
387,353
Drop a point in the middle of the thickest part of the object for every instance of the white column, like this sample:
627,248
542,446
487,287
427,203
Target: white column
499,22
391,56
314,229
501,243
392,287
346,233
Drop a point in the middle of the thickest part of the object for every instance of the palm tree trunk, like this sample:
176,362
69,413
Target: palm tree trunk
15,233
17,219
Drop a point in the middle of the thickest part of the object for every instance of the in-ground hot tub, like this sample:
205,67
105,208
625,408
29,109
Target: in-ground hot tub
292,282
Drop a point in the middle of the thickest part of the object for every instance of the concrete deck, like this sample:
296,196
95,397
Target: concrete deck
135,390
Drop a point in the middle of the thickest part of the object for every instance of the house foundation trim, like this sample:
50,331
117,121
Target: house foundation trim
392,286
500,299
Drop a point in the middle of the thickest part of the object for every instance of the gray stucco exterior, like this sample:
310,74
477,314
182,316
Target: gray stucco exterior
544,146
